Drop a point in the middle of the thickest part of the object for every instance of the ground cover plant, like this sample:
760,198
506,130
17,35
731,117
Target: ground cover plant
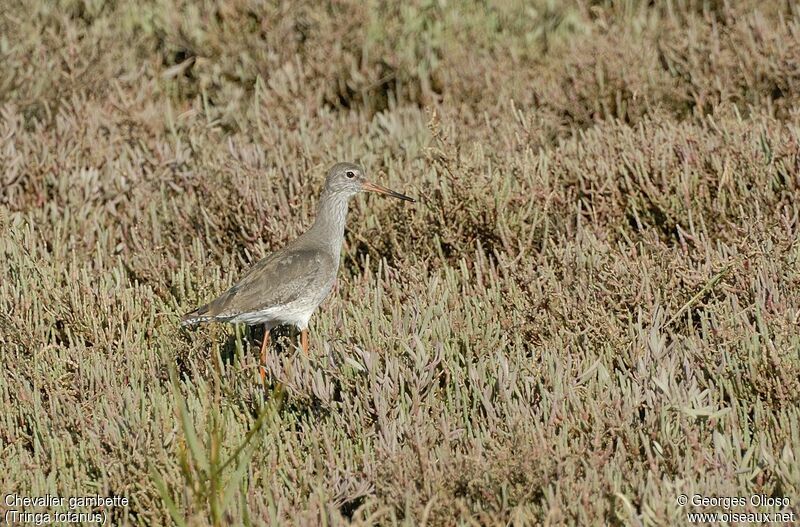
592,310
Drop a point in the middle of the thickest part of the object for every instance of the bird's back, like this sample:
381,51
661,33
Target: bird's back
291,278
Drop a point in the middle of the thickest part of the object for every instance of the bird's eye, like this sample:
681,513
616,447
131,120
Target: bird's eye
350,174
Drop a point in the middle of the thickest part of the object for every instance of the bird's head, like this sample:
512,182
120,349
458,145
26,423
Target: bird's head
349,179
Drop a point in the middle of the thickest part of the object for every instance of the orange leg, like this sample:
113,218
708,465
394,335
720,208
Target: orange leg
264,346
304,340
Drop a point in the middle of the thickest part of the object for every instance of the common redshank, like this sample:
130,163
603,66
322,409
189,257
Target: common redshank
287,286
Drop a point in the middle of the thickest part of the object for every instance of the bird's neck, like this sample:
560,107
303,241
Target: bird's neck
331,215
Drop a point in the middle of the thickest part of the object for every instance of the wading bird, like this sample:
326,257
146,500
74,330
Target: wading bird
287,286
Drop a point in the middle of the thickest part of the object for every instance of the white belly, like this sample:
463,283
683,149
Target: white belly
276,316
295,314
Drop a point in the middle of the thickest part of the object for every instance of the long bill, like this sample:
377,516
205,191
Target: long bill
374,187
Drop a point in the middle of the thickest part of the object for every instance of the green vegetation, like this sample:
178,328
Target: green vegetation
593,308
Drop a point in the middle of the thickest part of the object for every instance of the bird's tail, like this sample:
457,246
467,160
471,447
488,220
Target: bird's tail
198,316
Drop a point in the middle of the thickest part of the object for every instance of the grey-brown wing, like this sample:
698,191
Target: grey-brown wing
278,279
